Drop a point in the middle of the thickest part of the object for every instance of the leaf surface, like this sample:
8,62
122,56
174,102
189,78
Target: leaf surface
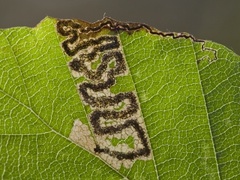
184,93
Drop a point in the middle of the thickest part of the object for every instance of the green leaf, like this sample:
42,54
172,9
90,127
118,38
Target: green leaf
113,100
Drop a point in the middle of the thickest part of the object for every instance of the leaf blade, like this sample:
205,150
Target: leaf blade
189,106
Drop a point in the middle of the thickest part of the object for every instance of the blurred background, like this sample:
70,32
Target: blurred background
212,20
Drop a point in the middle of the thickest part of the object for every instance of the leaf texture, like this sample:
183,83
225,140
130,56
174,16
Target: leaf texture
186,92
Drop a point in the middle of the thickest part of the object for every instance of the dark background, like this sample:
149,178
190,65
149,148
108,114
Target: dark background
212,20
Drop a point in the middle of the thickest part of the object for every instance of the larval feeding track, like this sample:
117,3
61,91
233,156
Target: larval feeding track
113,116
